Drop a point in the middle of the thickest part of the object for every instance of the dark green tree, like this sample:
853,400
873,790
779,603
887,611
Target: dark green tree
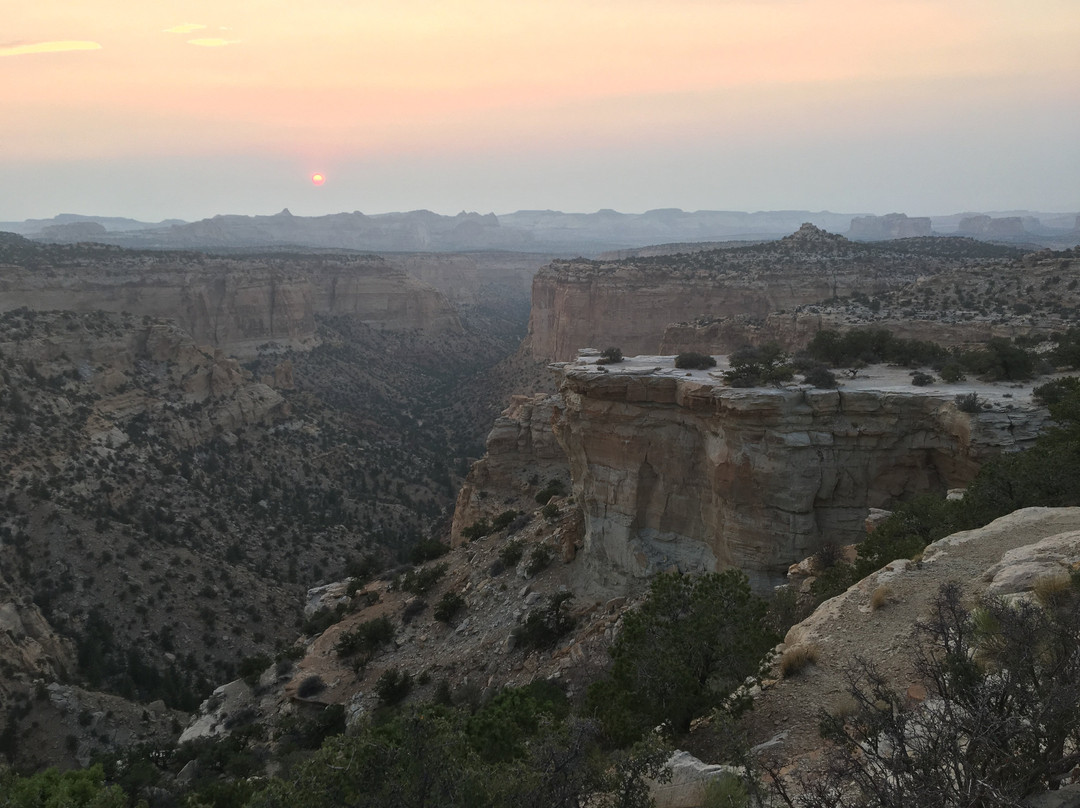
692,642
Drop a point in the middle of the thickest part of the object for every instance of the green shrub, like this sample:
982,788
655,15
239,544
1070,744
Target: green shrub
393,685
610,356
951,372
550,511
539,559
755,366
252,667
967,402
681,654
692,360
820,376
418,581
554,488
477,530
726,791
920,379
546,626
1057,390
428,550
448,606
504,519
511,552
310,687
366,638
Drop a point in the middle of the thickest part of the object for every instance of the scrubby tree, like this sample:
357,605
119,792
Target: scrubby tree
692,642
1003,722
693,360
754,366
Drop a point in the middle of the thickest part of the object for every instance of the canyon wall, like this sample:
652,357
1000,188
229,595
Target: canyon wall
674,470
630,303
576,306
522,456
232,303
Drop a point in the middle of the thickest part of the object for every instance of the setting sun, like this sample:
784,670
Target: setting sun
317,179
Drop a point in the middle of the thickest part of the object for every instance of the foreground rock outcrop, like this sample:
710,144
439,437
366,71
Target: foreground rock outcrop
1005,557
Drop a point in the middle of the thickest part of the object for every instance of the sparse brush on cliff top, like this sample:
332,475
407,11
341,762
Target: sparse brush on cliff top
610,356
692,360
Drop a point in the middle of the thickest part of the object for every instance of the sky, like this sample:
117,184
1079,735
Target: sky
191,108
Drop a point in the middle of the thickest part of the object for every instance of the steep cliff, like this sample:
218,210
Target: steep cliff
629,303
673,469
522,455
230,303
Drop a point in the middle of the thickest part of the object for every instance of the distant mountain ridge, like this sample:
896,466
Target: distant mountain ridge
572,234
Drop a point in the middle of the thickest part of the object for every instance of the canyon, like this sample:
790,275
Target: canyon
206,459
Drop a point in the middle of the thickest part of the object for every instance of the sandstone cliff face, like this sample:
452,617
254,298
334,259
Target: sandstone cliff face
675,470
235,304
629,303
522,455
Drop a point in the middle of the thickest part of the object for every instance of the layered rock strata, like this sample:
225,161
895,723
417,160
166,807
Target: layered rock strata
522,456
629,303
234,304
675,470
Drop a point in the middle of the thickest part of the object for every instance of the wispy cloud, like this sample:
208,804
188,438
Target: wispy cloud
212,42
57,46
185,28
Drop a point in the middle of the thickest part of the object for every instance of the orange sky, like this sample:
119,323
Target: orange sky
228,106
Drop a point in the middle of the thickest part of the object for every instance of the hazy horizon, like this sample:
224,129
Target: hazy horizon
192,109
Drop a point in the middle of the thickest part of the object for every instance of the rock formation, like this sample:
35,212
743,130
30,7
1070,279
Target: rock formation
987,227
231,303
890,226
1005,557
630,303
522,455
674,470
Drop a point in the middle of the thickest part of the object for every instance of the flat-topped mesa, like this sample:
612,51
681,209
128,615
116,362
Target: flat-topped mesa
674,470
630,302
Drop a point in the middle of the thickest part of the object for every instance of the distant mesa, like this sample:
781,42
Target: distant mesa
989,227
890,226
73,232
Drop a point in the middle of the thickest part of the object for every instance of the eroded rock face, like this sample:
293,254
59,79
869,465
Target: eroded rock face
675,470
234,304
630,303
522,455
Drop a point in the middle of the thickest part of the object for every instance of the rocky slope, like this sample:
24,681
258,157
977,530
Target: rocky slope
1006,557
629,303
235,304
163,508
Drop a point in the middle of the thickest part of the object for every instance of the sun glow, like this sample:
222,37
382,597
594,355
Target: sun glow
317,179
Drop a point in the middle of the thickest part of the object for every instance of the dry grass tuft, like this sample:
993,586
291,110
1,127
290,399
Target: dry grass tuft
880,597
1053,590
796,658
